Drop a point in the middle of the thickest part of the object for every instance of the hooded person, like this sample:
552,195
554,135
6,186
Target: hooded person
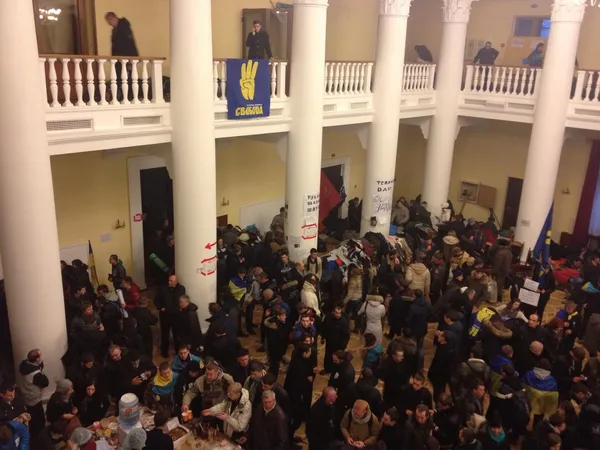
359,425
83,438
135,440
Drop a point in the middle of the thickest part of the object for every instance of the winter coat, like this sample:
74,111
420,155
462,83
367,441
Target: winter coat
502,262
212,392
277,338
20,433
322,425
418,277
375,312
417,317
239,418
394,375
361,429
269,430
315,267
33,382
480,286
471,369
309,297
123,42
188,326
168,298
364,390
336,332
118,273
342,378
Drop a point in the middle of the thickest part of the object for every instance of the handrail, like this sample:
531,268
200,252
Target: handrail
140,58
273,60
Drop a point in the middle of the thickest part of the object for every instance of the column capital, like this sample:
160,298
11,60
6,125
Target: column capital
456,10
568,10
323,3
394,7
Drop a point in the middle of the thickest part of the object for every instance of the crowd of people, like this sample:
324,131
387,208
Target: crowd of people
499,375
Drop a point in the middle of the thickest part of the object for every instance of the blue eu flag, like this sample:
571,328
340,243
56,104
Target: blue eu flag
541,251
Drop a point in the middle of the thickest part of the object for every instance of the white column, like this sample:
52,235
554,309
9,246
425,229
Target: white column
383,136
548,132
443,129
28,233
305,141
194,165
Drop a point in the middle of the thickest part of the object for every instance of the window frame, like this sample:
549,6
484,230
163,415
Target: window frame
537,25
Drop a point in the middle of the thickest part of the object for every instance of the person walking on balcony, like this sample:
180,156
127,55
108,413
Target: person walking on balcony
424,54
536,57
122,44
487,55
258,42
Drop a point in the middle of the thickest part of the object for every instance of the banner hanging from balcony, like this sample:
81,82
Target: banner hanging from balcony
248,89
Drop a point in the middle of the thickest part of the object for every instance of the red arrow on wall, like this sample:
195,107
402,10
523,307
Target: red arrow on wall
209,245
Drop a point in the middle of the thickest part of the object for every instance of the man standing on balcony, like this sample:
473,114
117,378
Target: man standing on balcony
123,42
487,55
258,42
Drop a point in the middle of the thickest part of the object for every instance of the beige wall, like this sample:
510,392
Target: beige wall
351,27
493,20
491,156
91,189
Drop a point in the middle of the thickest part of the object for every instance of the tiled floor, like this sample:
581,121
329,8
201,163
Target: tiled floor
355,345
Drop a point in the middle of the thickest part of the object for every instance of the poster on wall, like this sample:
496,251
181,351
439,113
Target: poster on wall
248,89
311,204
383,198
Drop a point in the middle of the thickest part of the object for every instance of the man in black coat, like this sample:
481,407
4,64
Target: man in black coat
336,334
323,424
123,42
258,42
167,304
145,321
367,391
241,369
418,314
413,394
447,422
188,325
83,372
394,372
136,373
443,363
392,431
277,339
269,426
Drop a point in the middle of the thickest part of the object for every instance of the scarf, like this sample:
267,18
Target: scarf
364,419
497,438
162,385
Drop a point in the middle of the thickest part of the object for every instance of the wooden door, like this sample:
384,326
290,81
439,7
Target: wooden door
513,201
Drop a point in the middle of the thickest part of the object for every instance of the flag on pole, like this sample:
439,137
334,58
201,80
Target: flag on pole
92,266
541,251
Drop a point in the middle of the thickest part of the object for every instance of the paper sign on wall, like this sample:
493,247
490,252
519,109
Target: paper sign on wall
311,204
309,231
382,199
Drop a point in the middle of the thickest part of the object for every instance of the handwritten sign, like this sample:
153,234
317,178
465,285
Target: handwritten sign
382,204
311,204
208,266
309,231
531,298
531,285
385,186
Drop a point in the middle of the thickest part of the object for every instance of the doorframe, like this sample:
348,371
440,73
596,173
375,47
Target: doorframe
135,166
343,161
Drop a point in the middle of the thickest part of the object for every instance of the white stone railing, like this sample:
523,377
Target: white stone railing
497,80
77,81
418,77
278,79
586,88
348,78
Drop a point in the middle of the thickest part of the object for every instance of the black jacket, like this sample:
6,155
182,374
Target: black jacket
364,390
168,298
123,42
157,440
239,373
269,431
323,425
188,326
393,437
224,349
395,376
57,408
442,365
336,332
296,379
342,378
258,44
447,425
409,399
92,409
277,338
9,411
486,56
417,317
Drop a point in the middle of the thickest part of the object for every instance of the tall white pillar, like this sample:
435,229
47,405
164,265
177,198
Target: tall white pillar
444,125
305,140
194,161
383,136
548,132
28,233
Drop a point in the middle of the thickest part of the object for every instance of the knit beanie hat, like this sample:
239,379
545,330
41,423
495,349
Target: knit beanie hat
62,386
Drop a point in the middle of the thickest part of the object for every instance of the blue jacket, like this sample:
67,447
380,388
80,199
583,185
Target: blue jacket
21,433
498,362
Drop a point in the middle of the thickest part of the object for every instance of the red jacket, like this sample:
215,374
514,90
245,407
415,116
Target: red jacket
132,298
